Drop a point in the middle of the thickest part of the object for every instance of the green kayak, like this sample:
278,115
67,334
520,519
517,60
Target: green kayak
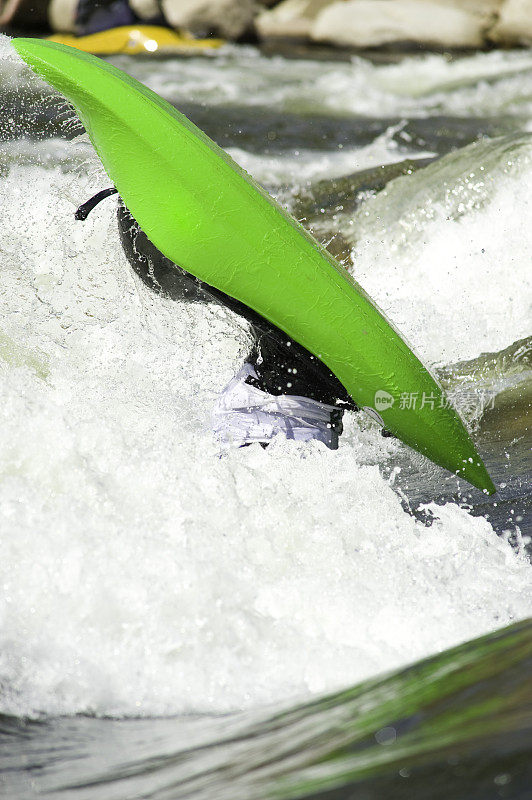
206,214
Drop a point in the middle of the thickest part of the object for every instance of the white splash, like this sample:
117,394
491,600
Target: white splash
444,251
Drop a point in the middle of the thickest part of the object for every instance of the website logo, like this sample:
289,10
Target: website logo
383,400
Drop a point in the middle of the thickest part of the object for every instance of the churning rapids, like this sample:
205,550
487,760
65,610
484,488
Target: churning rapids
145,571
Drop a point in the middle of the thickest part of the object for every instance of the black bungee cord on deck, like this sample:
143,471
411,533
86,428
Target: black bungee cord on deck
85,208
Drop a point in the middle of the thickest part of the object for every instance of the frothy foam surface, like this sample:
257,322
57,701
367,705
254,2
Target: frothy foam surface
444,251
475,85
305,166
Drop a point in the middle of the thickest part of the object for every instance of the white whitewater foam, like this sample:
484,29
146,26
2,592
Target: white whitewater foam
471,85
305,166
145,571
13,71
445,251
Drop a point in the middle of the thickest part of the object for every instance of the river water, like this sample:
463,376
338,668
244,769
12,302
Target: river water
179,619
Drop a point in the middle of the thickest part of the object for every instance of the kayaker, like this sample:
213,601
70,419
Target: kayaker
281,388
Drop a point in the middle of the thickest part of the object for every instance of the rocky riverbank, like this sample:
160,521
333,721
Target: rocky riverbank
353,24
345,23
374,23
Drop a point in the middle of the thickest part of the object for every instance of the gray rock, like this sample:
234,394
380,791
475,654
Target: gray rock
62,15
514,25
436,23
227,18
291,19
145,9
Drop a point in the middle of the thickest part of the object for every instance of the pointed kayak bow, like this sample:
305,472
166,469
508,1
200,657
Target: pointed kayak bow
207,214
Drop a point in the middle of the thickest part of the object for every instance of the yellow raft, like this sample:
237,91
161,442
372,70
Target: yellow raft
138,40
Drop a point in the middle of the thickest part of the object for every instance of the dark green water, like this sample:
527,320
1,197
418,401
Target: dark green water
457,725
